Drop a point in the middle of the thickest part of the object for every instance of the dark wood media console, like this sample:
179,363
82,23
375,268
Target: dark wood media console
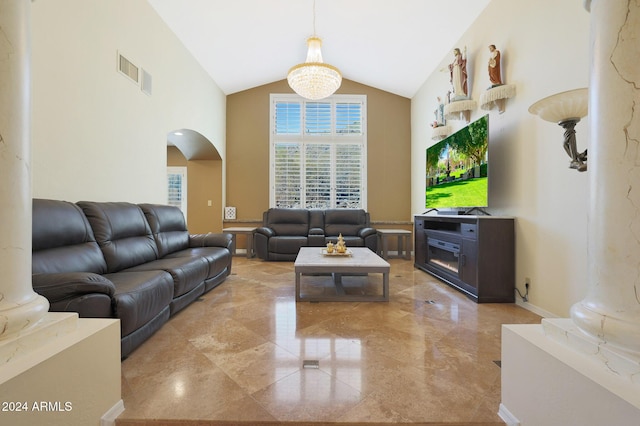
475,254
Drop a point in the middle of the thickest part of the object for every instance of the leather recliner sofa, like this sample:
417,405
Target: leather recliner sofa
135,263
284,231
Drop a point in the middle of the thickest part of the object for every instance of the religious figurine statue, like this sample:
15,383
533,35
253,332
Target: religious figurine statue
439,114
498,92
495,76
458,75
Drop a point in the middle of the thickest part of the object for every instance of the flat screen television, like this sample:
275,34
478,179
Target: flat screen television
457,169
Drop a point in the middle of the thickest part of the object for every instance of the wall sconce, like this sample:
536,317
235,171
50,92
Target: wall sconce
566,109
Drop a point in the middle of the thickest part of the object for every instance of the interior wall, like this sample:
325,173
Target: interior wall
545,50
95,134
175,158
70,364
204,179
388,151
546,381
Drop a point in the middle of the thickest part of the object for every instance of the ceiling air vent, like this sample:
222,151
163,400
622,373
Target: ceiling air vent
127,68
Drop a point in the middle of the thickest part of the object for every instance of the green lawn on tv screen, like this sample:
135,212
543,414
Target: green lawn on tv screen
461,193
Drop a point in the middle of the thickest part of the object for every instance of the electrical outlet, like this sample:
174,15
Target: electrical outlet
525,296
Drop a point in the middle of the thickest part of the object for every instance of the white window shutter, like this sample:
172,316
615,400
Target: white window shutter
287,175
349,178
177,188
318,152
318,176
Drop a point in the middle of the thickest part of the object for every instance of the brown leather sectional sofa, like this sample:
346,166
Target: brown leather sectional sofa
284,231
136,263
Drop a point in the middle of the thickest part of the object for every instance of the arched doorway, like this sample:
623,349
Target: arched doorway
202,162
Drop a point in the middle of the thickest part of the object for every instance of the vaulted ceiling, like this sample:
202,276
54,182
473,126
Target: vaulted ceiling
392,45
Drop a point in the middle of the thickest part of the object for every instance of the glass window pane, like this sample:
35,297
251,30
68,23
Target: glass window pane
318,118
349,118
288,118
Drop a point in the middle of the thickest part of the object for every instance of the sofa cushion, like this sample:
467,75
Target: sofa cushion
62,239
140,297
218,258
122,232
187,272
288,221
286,244
344,221
167,226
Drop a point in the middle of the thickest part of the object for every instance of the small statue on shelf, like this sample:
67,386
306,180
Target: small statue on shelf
498,92
439,114
495,74
458,75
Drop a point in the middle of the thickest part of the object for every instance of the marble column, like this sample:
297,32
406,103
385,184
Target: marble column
611,310
20,306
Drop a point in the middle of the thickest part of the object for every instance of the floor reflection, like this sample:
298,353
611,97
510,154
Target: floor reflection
312,385
427,355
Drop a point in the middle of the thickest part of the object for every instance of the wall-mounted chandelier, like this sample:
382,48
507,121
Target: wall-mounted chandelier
314,79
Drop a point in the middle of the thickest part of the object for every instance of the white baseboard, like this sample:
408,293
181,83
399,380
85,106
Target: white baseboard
109,418
535,309
507,417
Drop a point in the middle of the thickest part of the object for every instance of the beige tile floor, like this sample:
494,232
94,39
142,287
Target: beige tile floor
236,356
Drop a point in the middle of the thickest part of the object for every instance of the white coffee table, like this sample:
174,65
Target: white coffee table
311,260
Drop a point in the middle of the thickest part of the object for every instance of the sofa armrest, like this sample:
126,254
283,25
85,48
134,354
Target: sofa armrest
210,240
316,231
316,237
60,286
267,232
365,232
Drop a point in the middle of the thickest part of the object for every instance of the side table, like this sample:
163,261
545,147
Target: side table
404,242
245,230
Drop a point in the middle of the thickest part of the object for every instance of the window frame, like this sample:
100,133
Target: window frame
303,139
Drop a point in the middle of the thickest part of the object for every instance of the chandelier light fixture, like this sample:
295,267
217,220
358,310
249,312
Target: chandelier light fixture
314,79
